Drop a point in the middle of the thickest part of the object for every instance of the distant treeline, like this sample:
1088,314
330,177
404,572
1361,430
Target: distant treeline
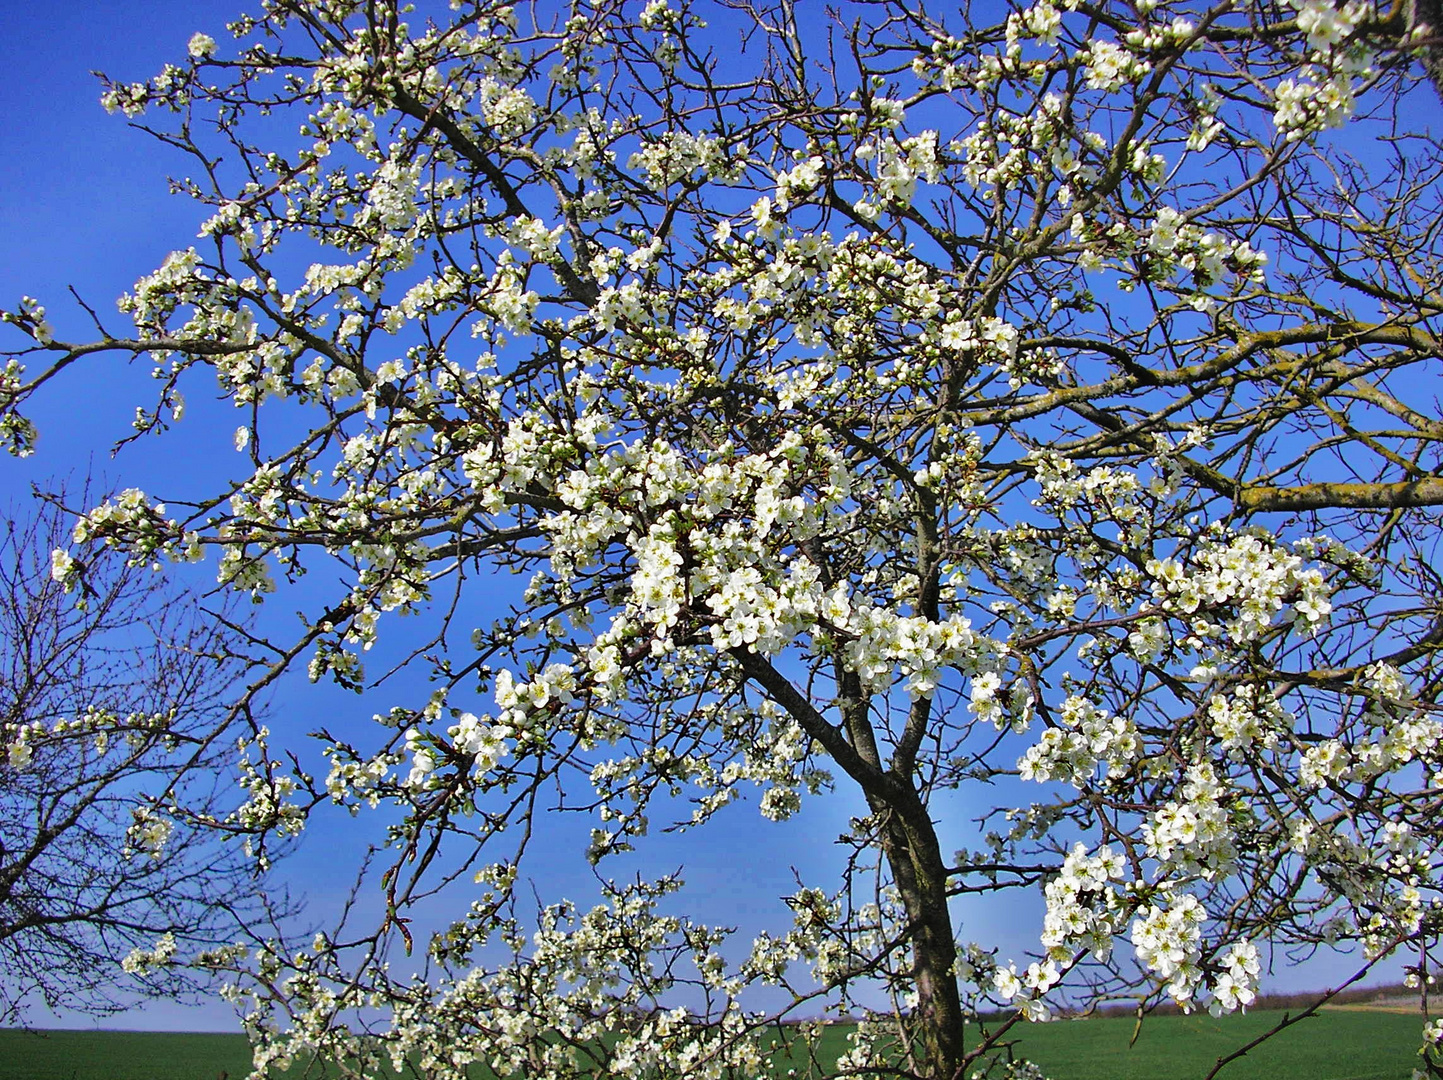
1394,993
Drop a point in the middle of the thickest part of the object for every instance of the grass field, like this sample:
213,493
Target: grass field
1335,1045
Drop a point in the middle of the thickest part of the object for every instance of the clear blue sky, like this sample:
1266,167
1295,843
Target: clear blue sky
83,203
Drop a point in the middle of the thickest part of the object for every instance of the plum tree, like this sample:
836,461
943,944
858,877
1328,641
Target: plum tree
1036,402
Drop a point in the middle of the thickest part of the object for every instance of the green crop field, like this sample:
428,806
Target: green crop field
121,1055
1335,1045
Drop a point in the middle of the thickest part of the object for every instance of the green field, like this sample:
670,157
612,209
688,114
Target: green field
121,1055
1335,1045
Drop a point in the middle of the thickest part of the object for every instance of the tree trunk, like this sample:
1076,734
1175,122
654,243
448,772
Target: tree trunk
911,849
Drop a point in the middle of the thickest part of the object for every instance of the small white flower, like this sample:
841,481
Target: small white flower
62,566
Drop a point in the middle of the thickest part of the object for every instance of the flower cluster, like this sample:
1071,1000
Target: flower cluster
1026,989
1084,912
1168,940
149,832
1111,66
521,702
268,806
1312,103
1083,737
1204,255
987,701
1194,833
1245,722
1236,985
201,46
141,960
678,155
1247,576
20,742
129,521
1325,93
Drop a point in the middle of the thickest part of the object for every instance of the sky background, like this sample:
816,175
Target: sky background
84,204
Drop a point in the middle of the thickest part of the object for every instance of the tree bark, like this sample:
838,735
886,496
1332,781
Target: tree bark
1325,496
909,843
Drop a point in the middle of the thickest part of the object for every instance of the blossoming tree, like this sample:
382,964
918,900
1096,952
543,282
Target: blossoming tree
1032,401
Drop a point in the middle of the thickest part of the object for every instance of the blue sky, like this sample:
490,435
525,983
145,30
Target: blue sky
83,203
83,200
